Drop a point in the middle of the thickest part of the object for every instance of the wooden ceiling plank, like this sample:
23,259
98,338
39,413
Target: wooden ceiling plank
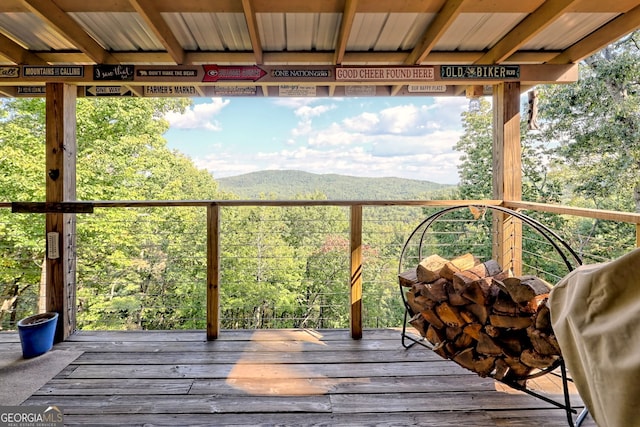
252,25
601,38
17,54
147,10
348,15
49,12
533,24
443,20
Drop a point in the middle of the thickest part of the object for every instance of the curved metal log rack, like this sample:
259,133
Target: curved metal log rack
570,259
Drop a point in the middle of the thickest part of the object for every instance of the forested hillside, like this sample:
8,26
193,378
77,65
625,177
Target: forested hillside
287,184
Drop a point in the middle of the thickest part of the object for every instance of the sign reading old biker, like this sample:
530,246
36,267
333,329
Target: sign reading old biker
480,72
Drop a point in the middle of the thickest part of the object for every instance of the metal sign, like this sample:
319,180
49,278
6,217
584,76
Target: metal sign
427,88
297,90
113,72
166,72
360,90
107,91
215,73
301,73
53,71
31,90
9,72
480,72
235,90
384,73
177,91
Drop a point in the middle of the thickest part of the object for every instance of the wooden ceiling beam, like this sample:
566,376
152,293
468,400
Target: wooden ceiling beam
348,15
17,54
440,24
50,13
601,38
252,26
148,12
533,24
434,32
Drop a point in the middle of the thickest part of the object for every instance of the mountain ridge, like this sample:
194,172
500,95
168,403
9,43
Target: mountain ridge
288,184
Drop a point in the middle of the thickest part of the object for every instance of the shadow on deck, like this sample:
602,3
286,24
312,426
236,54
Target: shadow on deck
276,377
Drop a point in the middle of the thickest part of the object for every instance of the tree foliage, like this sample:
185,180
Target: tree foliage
595,124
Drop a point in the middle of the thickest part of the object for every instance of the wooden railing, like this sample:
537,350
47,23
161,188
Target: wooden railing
214,208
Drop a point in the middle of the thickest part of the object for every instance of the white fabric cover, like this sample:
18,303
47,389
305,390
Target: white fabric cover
595,313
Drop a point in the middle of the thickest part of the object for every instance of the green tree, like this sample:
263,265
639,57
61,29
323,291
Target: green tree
596,125
594,128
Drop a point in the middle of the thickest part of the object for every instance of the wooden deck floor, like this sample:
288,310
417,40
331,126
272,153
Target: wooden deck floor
279,377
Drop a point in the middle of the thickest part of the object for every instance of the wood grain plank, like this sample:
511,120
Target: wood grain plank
440,419
268,370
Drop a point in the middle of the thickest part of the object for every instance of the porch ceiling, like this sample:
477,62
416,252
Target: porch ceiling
272,35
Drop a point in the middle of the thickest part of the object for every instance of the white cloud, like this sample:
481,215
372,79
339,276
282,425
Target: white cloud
307,111
409,119
221,164
199,116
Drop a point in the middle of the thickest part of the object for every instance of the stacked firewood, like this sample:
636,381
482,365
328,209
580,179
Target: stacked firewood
482,317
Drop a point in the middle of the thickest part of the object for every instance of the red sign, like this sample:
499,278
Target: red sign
214,73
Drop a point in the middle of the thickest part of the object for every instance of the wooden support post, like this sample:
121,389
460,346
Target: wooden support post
213,272
60,268
355,295
507,173
637,235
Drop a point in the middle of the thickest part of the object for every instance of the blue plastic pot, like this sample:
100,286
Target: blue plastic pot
37,333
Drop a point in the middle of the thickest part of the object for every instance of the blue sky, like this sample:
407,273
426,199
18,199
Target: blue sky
407,137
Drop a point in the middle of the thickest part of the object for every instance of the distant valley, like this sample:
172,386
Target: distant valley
289,184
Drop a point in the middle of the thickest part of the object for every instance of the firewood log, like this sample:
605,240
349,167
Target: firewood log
487,346
437,290
431,317
512,322
473,330
480,311
505,305
546,345
428,270
421,325
435,336
534,359
482,291
408,278
460,263
452,332
449,315
524,288
543,318
461,280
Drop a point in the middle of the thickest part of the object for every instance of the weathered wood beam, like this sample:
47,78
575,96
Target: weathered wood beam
213,272
440,24
60,147
52,207
17,54
66,26
355,293
507,173
148,12
252,26
348,15
533,24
